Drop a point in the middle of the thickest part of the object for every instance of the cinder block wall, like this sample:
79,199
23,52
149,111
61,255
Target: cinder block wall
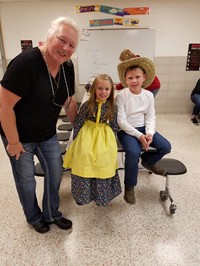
176,85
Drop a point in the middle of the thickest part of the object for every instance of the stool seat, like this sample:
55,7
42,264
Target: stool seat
63,148
65,119
65,127
120,148
38,169
40,172
172,166
63,136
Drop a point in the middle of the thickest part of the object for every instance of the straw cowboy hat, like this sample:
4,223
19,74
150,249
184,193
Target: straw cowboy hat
130,60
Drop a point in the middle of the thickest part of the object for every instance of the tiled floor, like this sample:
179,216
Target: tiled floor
144,234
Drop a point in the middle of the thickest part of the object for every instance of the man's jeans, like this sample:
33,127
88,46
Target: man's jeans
133,149
49,155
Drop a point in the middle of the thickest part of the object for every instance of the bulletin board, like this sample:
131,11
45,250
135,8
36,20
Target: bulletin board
99,51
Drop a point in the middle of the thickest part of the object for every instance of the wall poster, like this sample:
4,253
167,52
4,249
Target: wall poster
193,57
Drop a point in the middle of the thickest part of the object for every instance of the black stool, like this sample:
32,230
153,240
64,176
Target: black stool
63,136
63,148
65,119
40,172
65,127
172,167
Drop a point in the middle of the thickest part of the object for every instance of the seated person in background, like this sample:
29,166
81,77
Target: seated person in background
153,87
136,118
195,98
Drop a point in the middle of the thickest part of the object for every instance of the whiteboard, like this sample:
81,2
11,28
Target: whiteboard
99,53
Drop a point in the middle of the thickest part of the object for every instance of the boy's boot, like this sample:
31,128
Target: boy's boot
129,195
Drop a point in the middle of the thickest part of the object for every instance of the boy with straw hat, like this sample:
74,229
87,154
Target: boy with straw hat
136,118
154,87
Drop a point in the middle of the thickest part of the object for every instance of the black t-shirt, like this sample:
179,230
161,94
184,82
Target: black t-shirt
27,76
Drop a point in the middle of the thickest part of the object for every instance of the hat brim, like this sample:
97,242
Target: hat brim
145,63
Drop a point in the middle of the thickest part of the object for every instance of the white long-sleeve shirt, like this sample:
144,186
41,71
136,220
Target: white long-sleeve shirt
136,110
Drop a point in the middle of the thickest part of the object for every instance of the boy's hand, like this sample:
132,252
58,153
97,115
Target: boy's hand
149,139
144,142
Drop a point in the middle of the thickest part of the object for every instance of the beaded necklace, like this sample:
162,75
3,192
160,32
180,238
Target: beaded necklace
57,84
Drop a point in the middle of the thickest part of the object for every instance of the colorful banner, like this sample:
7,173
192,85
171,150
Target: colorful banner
118,21
83,9
112,10
193,58
101,22
136,11
126,22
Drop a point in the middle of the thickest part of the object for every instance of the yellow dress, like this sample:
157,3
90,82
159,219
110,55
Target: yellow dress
93,154
92,157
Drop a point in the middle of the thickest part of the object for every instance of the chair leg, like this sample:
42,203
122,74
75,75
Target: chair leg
165,194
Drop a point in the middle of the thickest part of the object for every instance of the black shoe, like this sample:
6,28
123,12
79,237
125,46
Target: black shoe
41,227
194,121
63,223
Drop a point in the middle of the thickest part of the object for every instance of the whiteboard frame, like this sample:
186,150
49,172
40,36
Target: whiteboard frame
96,55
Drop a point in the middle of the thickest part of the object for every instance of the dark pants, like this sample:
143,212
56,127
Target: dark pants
133,149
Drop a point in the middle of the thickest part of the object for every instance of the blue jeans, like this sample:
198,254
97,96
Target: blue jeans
195,98
49,155
133,149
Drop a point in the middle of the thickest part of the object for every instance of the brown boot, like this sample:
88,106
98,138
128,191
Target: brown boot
129,195
155,168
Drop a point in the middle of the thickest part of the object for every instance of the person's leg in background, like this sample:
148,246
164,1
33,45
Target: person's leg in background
195,98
